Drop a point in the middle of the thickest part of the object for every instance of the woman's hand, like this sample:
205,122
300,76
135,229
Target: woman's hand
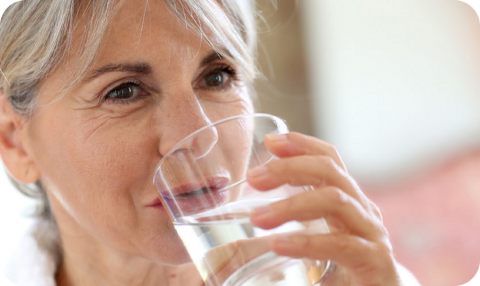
359,243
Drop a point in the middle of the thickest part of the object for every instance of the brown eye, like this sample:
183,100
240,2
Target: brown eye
126,92
219,78
122,93
215,79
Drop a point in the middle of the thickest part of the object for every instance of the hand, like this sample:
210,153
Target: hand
358,242
222,261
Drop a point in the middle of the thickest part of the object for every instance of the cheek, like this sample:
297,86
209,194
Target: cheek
235,138
99,170
241,103
101,177
237,147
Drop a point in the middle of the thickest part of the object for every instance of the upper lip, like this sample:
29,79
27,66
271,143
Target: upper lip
214,183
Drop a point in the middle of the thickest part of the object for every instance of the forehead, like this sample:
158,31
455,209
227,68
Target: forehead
147,29
141,31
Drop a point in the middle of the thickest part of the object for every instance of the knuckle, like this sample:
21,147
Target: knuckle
376,210
336,195
379,228
327,161
303,241
385,258
331,148
325,147
329,164
342,243
385,246
293,180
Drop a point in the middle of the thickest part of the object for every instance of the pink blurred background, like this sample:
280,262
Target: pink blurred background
434,221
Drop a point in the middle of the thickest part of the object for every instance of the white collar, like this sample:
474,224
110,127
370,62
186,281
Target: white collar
35,260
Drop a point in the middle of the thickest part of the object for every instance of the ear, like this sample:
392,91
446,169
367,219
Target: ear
17,161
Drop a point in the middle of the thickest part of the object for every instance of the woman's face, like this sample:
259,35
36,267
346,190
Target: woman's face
152,83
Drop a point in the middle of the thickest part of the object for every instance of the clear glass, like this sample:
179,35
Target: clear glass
202,185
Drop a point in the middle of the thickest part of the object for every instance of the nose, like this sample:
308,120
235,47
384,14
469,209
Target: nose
185,116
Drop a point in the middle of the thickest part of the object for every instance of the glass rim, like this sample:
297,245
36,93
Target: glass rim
223,120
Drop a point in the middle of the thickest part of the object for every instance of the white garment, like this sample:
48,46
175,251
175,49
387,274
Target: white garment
37,256
35,260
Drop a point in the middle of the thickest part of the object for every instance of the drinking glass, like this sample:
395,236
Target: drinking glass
202,185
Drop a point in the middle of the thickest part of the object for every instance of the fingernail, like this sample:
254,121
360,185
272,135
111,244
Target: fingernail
262,212
257,171
277,137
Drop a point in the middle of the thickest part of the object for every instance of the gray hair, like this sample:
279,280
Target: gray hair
35,36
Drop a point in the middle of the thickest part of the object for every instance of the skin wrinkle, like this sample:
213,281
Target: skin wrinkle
98,160
106,120
101,173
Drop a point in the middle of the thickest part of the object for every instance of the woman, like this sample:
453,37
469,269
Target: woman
95,92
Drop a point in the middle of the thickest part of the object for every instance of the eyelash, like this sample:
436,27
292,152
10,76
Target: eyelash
111,100
127,83
227,69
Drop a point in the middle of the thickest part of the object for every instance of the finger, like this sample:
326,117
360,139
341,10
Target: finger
376,210
226,259
296,144
303,171
367,262
329,201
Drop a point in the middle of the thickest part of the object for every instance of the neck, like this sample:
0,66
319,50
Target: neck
88,261
95,265
135,272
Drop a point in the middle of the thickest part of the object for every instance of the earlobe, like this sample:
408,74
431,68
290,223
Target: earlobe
17,161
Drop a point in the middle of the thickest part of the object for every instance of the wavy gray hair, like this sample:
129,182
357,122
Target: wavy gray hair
35,36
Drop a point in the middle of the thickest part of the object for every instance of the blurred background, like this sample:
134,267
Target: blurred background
395,85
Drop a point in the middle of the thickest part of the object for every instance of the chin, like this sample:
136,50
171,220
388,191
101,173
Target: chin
168,250
176,257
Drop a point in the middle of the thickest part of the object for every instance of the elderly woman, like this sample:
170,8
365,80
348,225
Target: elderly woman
94,93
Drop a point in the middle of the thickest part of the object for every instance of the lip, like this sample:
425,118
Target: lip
155,203
204,195
214,184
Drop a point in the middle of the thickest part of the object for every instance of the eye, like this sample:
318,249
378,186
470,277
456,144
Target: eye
122,93
218,78
126,92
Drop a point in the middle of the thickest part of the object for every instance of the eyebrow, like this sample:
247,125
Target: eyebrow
142,68
211,58
138,68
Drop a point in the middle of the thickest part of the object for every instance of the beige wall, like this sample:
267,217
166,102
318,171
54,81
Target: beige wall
285,90
395,83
